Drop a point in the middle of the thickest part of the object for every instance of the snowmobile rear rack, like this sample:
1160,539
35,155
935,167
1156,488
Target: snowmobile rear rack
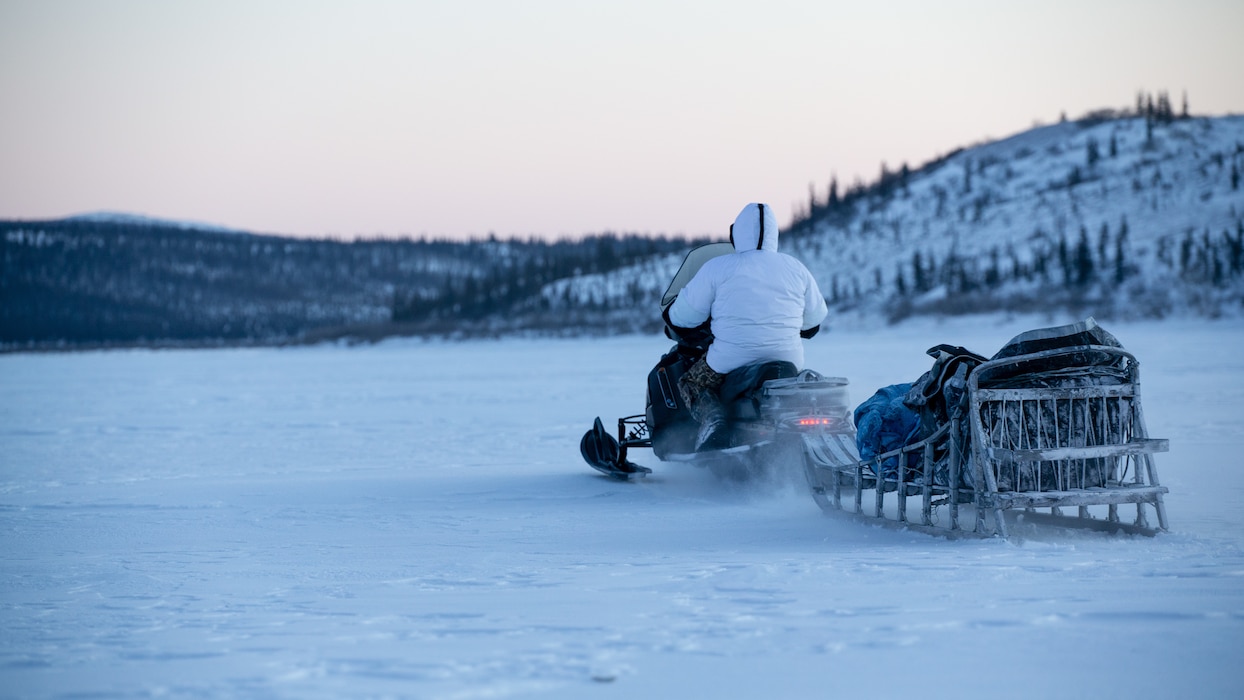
1024,448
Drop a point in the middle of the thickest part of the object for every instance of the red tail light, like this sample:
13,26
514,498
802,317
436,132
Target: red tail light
814,422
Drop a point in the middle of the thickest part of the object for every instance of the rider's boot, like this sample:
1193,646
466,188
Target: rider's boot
714,433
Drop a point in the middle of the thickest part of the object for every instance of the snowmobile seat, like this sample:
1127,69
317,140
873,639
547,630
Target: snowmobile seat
739,393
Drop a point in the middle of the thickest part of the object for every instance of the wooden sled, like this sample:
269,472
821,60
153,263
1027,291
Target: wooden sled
1051,455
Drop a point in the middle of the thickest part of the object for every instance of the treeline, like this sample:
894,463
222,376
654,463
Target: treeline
1052,270
841,204
1204,258
520,272
81,282
1069,263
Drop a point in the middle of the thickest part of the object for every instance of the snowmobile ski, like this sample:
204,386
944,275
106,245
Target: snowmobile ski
603,453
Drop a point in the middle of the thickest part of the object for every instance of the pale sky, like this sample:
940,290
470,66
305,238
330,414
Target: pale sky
549,117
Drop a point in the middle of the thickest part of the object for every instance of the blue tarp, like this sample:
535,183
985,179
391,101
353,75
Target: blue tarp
884,423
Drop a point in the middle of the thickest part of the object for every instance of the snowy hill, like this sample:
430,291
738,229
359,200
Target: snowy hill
1118,217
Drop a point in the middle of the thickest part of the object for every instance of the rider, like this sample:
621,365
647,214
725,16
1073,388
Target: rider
761,302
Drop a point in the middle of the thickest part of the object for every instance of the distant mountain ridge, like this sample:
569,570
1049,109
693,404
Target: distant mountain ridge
1118,216
131,219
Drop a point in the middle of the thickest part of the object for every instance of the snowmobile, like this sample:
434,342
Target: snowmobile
773,409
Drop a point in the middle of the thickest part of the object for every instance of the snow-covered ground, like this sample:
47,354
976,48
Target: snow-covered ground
413,519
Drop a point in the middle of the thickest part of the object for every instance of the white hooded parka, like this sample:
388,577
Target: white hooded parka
758,299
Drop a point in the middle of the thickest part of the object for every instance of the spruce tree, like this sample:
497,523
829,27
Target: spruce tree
1103,243
1149,117
1084,259
1064,259
1120,262
1235,251
993,273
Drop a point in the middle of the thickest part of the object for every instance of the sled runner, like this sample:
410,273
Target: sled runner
1043,425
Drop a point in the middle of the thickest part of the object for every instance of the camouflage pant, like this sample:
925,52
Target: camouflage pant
700,389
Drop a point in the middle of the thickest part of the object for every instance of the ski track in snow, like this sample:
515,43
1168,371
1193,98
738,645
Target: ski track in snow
413,519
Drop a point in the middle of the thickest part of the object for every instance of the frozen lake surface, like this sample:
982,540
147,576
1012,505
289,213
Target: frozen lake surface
413,519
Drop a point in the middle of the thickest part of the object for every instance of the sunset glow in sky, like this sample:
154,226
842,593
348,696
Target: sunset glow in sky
549,117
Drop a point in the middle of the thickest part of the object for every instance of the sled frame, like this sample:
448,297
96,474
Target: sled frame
1089,449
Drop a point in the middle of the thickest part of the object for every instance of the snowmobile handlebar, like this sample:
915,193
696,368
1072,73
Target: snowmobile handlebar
698,338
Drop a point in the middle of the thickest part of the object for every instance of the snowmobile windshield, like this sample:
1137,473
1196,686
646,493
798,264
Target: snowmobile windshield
691,265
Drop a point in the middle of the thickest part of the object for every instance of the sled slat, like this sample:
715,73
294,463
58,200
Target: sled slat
1060,394
1078,497
1136,446
954,468
926,492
